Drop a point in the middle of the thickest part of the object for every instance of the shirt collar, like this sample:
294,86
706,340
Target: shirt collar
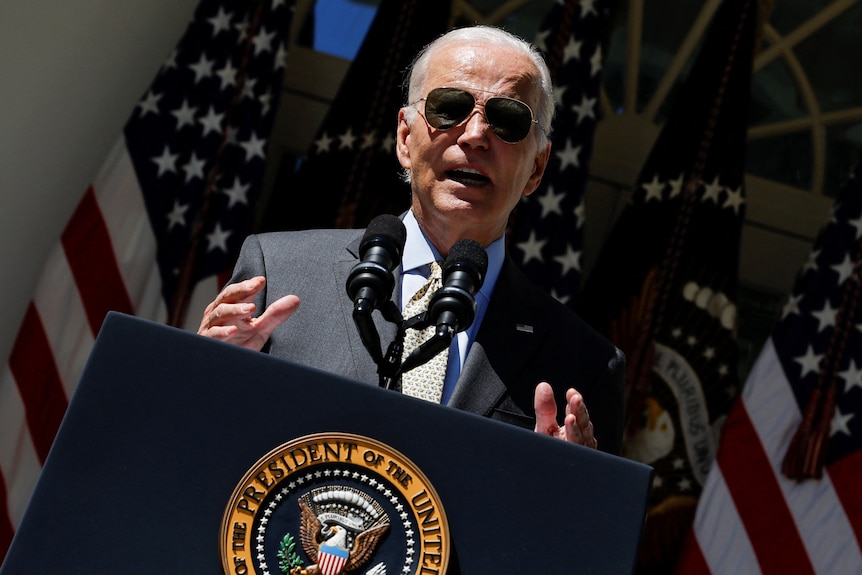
419,252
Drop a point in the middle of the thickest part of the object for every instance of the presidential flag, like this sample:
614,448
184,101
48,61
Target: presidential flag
169,208
664,286
783,495
546,229
351,173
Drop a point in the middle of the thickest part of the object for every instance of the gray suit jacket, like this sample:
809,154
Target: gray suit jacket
526,335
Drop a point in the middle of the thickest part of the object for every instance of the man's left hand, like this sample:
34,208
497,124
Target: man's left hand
576,428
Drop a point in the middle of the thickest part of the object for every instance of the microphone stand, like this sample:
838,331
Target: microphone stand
392,367
370,337
362,309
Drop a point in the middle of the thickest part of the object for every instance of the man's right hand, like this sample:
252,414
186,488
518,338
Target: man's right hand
230,316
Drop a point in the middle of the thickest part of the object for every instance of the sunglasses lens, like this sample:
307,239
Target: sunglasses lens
447,107
510,119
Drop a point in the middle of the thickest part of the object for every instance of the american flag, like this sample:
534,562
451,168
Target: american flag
170,207
547,228
763,509
351,174
664,286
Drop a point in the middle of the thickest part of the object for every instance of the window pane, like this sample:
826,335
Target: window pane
774,96
828,58
785,159
843,146
789,15
340,26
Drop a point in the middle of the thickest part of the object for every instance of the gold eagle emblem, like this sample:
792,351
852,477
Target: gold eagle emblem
319,540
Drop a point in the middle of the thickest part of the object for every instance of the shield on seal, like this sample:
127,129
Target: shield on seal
331,559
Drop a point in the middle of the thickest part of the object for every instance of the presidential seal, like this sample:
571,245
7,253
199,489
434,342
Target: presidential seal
332,504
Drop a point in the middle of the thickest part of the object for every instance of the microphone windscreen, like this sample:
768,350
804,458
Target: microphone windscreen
468,255
385,226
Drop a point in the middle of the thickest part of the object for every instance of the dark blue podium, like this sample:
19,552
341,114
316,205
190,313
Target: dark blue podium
164,424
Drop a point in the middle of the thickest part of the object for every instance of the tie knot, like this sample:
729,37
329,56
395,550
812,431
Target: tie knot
436,271
419,301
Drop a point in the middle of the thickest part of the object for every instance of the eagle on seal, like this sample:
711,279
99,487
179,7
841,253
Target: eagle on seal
319,541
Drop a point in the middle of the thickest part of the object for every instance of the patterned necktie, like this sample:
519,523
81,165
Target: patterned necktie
424,381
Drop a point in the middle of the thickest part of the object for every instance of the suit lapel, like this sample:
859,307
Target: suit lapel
510,333
479,387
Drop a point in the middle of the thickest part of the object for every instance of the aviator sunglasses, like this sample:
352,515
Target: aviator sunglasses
509,118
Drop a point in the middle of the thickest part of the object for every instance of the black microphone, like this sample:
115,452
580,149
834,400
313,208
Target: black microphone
370,282
452,307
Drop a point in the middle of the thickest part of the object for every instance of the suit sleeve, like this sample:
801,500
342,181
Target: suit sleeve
249,264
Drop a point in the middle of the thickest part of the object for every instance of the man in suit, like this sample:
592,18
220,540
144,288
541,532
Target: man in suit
471,147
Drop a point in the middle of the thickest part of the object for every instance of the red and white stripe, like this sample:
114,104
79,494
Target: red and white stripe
331,564
105,261
751,519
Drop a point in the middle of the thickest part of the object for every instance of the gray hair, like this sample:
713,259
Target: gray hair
489,35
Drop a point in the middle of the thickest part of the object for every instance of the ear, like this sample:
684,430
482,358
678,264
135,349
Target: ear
539,165
402,135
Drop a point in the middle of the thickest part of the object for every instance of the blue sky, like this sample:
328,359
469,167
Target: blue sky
340,26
